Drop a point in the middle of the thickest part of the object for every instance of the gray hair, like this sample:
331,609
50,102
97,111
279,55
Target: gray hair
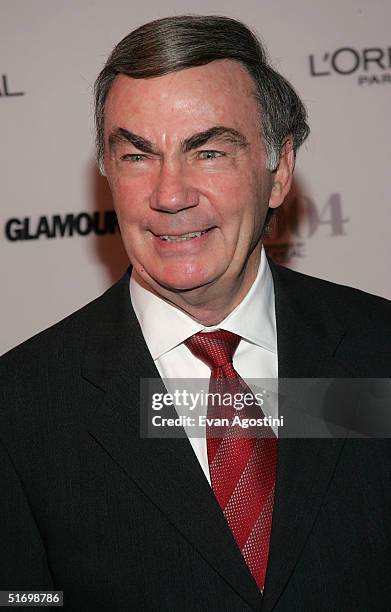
175,43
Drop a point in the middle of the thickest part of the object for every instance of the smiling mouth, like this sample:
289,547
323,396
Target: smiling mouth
183,237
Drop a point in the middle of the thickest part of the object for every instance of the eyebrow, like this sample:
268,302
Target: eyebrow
121,135
218,132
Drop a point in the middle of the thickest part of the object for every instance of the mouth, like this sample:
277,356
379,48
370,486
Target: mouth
183,237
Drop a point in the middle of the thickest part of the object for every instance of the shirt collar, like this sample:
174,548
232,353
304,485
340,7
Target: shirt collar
164,326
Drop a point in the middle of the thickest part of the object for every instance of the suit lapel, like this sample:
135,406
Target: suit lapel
306,347
166,470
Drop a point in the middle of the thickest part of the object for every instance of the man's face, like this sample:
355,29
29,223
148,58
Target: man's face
186,166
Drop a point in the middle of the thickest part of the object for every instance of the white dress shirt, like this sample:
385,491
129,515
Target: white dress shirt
165,328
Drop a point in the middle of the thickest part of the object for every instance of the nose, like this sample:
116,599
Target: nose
173,191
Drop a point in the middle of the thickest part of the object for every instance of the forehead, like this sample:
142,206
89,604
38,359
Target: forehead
221,92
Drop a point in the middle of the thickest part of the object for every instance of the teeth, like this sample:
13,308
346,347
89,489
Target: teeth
183,237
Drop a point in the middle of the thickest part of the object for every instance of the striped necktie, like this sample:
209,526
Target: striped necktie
242,469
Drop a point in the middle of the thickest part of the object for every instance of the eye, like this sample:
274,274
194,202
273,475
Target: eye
133,157
205,155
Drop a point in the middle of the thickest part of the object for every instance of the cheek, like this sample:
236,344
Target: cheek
243,209
237,202
129,198
226,191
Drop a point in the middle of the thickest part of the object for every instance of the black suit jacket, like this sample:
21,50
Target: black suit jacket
119,522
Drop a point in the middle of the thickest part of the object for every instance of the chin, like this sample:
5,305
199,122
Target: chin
180,282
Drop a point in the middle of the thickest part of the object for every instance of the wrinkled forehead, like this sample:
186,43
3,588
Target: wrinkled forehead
221,92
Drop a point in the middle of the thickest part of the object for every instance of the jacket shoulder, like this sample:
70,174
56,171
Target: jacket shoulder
68,335
348,303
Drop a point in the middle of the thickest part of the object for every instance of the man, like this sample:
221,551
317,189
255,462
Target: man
197,137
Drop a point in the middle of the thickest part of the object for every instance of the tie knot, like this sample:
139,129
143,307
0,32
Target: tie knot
216,349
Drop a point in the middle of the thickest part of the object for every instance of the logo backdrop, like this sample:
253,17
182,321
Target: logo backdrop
59,242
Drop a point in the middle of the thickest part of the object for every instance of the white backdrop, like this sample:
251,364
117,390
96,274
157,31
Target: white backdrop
337,55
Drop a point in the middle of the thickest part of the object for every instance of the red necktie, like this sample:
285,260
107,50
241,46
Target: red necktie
242,469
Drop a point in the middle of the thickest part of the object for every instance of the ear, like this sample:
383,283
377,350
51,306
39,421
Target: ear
282,176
